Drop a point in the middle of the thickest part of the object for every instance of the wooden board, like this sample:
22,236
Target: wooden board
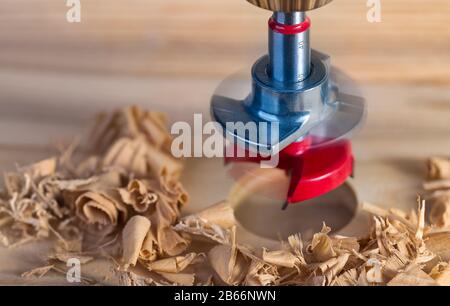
214,38
170,56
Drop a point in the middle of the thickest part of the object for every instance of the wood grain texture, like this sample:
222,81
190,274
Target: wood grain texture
214,38
170,56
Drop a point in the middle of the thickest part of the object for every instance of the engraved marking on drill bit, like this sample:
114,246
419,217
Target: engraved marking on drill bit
73,15
374,13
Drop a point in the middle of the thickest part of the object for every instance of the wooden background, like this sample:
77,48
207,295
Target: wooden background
170,55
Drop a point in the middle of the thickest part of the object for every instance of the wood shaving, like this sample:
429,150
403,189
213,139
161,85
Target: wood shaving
213,223
438,243
229,263
321,248
138,195
172,264
37,272
98,208
149,249
129,278
440,211
437,185
282,258
441,274
261,274
133,237
414,276
438,168
131,122
117,195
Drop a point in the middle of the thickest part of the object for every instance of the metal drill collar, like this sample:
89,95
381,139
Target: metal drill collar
312,105
289,5
289,100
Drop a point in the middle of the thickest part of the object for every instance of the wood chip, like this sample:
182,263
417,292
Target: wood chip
438,168
172,264
138,195
437,184
412,277
440,211
100,208
149,249
37,272
229,263
441,274
321,247
220,214
133,237
282,258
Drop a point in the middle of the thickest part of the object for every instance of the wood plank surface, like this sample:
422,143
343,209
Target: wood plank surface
213,38
170,55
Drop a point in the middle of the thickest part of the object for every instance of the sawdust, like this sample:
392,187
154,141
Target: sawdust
117,195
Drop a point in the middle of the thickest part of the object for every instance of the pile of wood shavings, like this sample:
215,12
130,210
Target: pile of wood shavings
122,200
85,196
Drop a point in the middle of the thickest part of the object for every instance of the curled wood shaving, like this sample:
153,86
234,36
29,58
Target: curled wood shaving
220,214
438,168
138,157
332,267
213,223
100,208
321,247
440,212
131,122
282,258
170,242
138,195
149,251
438,243
228,262
173,264
261,274
441,274
133,237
